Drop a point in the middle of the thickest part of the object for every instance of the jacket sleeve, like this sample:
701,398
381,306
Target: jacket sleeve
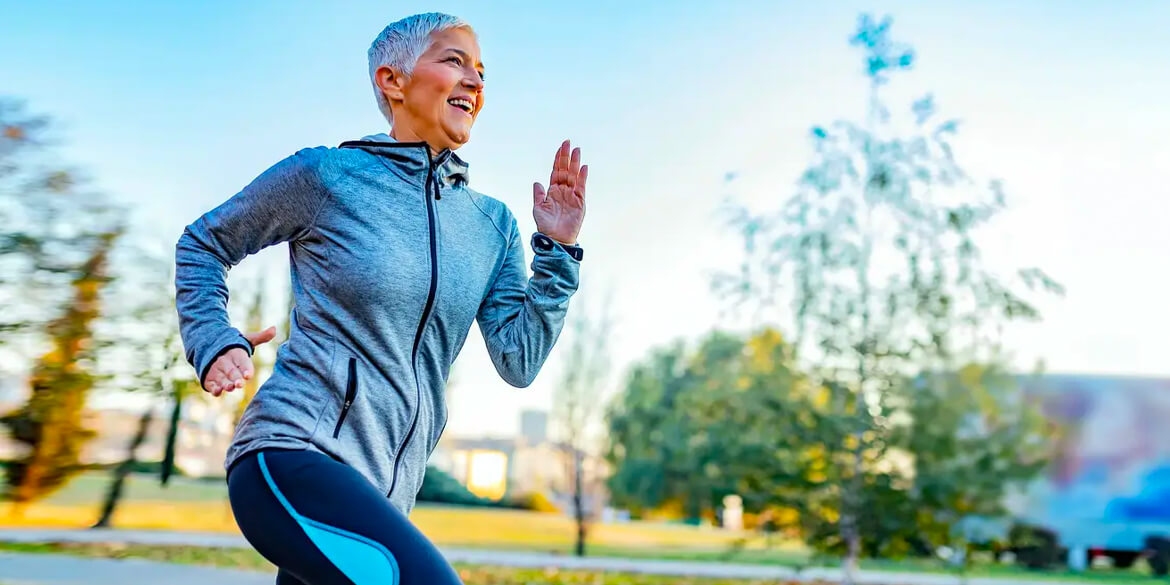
278,206
521,318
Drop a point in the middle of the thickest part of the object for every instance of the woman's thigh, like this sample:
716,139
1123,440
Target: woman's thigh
322,523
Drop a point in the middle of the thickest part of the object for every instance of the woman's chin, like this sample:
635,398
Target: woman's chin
457,139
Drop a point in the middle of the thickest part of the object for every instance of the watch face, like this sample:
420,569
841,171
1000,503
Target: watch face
544,243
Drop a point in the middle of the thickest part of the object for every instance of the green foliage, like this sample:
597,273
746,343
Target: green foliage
63,251
970,435
691,428
50,423
49,227
736,416
876,251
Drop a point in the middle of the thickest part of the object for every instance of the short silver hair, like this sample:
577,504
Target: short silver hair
400,45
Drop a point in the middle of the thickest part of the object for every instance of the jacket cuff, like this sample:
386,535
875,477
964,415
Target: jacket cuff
544,245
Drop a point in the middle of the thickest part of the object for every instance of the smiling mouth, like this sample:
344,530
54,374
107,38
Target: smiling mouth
466,105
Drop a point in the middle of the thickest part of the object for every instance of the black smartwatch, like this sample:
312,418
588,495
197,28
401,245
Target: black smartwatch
544,243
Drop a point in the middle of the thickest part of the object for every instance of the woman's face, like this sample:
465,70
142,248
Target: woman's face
440,100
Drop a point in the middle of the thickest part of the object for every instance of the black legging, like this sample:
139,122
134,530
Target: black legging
321,523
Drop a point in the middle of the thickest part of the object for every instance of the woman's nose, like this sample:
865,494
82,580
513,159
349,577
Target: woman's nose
473,81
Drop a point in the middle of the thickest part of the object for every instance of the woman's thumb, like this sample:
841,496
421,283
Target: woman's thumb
261,337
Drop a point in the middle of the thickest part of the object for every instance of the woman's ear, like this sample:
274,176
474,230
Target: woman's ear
391,82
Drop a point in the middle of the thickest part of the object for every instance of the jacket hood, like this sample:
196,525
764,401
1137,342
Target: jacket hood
451,169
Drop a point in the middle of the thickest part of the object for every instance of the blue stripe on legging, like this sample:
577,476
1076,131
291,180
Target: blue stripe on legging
364,561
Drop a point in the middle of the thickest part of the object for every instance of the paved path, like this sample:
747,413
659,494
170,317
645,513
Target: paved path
42,569
57,569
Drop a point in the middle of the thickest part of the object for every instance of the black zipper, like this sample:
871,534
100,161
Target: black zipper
350,394
422,322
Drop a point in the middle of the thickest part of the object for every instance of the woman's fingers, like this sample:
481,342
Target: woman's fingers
243,363
566,185
579,187
220,384
230,371
234,375
574,165
560,164
261,336
562,161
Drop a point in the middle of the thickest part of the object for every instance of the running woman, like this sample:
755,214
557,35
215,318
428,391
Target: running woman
392,258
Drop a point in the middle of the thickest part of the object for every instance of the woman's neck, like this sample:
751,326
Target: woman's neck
405,135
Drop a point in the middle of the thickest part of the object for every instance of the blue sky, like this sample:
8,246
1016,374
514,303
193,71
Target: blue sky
172,107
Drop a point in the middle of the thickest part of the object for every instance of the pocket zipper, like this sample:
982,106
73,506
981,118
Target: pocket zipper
350,394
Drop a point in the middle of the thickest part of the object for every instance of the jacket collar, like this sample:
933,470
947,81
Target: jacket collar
451,169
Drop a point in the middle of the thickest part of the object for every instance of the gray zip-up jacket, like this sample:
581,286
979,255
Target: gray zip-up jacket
392,258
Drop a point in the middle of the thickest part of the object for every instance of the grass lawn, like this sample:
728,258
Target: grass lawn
202,506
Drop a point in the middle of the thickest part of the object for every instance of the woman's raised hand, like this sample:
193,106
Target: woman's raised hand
560,210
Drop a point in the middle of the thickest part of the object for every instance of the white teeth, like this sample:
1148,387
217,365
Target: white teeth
466,105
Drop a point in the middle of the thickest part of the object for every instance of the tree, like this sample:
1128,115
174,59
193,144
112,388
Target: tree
49,227
736,416
50,423
876,251
730,417
576,403
180,390
969,434
56,238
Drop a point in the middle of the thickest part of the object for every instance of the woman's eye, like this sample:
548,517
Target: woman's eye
455,60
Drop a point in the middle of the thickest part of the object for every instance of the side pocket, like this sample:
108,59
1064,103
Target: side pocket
350,394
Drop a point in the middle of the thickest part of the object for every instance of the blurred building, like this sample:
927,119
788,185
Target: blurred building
525,464
534,426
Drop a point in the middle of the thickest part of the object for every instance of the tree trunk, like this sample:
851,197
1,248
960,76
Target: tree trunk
851,521
115,493
168,462
579,501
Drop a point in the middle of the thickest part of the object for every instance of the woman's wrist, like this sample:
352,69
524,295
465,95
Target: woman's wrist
558,240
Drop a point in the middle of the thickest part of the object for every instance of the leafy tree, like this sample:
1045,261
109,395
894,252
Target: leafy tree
730,417
63,252
49,226
876,252
969,434
50,423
